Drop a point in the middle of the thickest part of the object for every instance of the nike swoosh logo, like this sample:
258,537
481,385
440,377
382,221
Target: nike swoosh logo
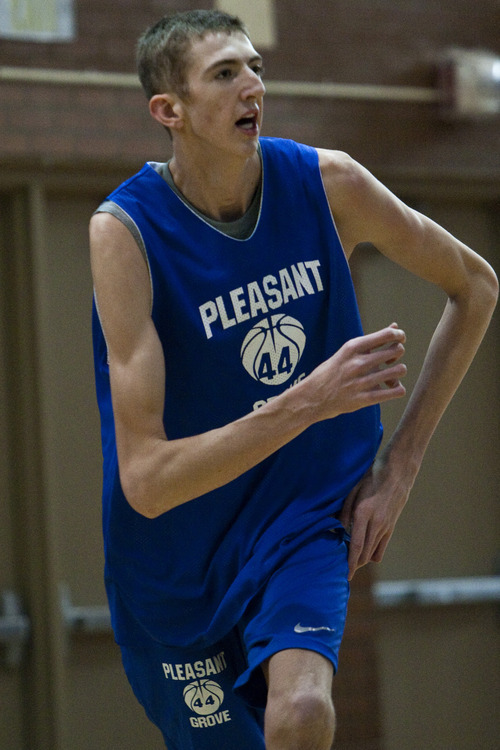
302,629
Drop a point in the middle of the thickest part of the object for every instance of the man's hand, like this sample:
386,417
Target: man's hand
370,513
365,371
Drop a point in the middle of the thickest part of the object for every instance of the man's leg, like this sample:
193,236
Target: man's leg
299,713
188,694
292,633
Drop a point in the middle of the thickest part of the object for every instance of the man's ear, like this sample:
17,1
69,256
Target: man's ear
167,110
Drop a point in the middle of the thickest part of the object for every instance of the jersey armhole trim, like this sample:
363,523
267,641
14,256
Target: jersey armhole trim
110,207
330,209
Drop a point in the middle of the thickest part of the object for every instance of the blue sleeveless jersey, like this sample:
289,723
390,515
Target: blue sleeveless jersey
239,321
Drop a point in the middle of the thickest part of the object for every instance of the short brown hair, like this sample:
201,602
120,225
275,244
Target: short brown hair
162,50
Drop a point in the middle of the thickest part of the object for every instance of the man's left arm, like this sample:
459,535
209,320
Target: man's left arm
366,211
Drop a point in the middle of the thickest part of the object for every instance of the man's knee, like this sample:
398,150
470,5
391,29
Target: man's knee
300,720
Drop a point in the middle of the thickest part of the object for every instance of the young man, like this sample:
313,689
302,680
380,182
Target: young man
240,399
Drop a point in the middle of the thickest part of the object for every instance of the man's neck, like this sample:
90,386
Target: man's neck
220,189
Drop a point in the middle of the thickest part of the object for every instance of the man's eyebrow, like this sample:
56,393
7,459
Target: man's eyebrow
232,61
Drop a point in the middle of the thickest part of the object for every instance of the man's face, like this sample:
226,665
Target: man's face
224,105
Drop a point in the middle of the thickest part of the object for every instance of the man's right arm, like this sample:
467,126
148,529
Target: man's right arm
158,474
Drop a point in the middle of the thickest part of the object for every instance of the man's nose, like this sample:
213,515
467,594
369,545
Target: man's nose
254,86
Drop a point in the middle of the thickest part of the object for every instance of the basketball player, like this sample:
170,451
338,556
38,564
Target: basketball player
240,399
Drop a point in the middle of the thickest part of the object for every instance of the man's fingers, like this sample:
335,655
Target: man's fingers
383,364
366,546
345,515
356,548
385,357
383,337
389,377
371,357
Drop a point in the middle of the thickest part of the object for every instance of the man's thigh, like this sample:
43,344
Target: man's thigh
188,694
303,610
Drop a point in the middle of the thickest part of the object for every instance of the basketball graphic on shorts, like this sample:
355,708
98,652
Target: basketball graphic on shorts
203,696
272,348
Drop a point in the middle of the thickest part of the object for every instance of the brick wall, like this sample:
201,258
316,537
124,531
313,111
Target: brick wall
106,33
52,124
385,43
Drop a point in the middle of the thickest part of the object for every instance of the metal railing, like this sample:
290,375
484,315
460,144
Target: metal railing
15,628
437,592
79,619
310,89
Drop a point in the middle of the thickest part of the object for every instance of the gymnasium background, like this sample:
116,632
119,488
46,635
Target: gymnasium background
73,124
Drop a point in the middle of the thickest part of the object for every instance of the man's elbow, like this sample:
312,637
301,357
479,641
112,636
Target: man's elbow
494,286
479,288
489,287
140,493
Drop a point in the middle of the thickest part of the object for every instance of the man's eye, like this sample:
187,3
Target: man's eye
258,70
225,73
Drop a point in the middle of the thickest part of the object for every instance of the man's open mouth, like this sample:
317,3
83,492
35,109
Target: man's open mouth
247,123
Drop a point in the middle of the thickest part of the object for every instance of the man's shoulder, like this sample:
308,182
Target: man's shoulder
336,161
270,144
289,155
143,175
135,192
342,175
334,164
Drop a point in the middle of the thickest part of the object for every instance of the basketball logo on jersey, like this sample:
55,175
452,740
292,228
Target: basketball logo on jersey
204,697
272,349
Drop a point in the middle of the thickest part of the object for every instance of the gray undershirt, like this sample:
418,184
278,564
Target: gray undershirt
240,229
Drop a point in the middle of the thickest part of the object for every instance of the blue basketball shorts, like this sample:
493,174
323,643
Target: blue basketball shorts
214,697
